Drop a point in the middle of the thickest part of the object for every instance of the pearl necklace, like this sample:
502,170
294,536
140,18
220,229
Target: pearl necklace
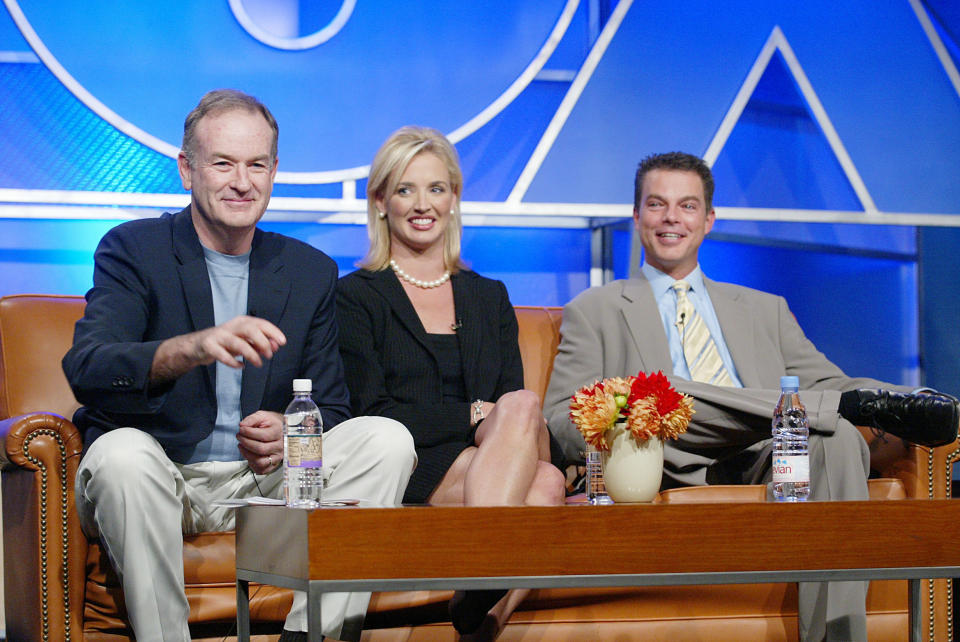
426,285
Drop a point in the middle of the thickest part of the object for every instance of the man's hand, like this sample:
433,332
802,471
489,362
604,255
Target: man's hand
261,441
239,341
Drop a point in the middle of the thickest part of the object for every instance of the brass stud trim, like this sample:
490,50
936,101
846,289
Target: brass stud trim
948,479
64,530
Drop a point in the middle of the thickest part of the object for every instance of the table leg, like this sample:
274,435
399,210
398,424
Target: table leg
243,611
916,621
314,621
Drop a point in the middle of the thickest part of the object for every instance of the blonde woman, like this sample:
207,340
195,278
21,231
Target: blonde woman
432,344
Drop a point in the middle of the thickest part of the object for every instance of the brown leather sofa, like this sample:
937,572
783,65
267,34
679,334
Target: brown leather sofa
59,585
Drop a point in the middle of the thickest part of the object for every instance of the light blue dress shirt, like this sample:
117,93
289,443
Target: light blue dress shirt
666,298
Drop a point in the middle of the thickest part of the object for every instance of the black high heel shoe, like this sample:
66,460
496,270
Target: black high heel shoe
468,609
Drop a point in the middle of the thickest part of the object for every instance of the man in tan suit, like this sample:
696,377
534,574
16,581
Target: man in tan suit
633,325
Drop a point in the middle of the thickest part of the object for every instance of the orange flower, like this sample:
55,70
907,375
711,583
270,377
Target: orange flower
596,408
643,421
649,405
676,422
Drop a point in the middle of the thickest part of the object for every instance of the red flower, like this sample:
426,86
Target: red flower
658,387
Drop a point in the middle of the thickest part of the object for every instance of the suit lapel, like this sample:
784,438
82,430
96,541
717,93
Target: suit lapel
466,304
193,271
642,317
194,278
267,296
389,287
737,328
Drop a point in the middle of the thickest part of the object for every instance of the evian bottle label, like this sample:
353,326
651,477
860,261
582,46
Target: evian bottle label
791,468
305,451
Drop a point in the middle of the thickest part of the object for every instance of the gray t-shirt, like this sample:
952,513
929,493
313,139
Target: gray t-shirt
229,279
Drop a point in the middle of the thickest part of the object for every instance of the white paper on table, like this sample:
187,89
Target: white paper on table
270,501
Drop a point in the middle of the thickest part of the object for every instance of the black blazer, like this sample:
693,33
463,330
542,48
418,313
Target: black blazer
392,371
150,283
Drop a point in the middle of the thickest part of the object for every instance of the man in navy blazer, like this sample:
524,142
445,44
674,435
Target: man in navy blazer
194,330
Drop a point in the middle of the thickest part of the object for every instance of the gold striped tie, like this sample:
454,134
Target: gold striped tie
699,349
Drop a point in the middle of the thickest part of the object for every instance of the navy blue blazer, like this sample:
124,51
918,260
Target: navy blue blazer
150,283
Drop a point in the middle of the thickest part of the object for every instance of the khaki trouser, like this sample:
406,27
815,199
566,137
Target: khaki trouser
140,503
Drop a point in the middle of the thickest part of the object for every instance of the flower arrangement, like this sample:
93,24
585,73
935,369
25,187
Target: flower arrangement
647,404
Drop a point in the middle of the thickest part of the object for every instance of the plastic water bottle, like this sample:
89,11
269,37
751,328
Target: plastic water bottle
302,448
596,489
791,455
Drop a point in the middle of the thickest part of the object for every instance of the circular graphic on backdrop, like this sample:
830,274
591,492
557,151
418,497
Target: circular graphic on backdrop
447,65
278,23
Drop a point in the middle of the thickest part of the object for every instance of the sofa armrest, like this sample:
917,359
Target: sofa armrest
44,548
926,472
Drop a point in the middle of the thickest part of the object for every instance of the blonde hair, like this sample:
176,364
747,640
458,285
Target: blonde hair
388,166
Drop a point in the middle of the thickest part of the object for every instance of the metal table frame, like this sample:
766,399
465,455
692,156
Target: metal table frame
297,565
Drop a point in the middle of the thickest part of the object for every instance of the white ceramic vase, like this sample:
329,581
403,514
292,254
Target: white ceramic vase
632,470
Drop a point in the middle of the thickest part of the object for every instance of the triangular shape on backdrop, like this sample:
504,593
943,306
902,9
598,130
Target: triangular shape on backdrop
777,147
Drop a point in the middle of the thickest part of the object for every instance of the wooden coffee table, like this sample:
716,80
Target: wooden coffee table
395,549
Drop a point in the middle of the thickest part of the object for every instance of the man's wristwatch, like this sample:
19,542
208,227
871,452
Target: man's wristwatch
477,411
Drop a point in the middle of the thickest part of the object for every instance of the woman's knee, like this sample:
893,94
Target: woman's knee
549,485
520,413
521,403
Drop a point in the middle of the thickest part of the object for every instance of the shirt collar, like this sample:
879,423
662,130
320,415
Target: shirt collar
662,283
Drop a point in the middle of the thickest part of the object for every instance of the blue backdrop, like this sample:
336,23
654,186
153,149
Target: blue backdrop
853,114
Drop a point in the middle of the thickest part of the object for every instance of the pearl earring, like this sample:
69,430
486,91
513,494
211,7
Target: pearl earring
382,215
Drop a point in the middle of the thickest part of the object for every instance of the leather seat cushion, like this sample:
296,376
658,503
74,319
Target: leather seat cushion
210,579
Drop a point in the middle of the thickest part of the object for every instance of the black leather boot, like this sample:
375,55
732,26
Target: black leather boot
926,419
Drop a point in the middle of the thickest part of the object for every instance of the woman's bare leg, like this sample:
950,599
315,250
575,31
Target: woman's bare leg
509,444
497,617
509,466
548,487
